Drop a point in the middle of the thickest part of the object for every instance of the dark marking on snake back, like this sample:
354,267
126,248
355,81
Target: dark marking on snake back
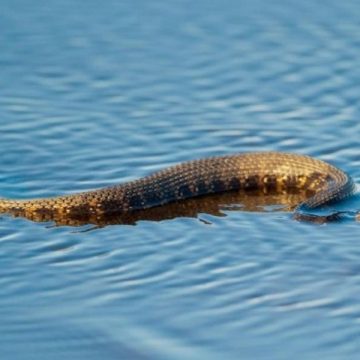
252,183
184,192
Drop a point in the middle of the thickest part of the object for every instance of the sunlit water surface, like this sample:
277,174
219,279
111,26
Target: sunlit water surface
95,93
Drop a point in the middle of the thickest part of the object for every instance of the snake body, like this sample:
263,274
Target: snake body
261,172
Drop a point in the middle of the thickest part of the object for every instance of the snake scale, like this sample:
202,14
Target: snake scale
259,172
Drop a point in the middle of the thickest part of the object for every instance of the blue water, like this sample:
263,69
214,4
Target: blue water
95,93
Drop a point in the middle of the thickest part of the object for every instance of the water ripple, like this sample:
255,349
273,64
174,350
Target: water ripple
99,94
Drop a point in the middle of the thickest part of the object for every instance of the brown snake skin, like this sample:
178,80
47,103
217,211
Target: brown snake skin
261,173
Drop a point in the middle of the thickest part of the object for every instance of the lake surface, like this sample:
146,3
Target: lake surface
96,93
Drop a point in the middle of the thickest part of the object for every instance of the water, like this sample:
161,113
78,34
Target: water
98,93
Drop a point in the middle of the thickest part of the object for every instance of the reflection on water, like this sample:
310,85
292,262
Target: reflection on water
214,205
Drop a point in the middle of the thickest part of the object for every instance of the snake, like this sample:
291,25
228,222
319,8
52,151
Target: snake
263,173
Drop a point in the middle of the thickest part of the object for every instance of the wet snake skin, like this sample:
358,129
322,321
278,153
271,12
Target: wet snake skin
262,173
